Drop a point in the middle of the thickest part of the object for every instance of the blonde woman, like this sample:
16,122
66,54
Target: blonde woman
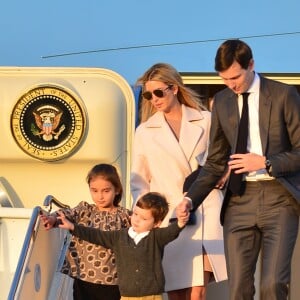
169,144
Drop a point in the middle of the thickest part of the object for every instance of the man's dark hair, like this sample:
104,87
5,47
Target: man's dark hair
230,51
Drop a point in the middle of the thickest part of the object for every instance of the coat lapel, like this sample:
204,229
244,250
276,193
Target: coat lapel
232,117
191,131
165,138
264,113
190,134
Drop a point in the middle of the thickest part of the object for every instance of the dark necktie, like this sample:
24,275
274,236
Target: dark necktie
236,184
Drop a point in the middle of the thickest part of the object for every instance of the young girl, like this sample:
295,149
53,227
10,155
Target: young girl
92,266
139,249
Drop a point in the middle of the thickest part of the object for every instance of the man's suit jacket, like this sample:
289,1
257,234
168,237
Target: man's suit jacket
279,123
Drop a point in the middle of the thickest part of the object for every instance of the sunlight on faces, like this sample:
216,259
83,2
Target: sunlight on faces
237,78
142,220
166,102
103,193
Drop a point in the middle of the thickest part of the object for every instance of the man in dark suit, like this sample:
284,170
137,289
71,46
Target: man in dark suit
262,214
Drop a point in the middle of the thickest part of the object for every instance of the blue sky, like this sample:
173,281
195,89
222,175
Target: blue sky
31,30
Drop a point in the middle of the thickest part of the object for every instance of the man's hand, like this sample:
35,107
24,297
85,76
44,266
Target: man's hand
249,162
222,181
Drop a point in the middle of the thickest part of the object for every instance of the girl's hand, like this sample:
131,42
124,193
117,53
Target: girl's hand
47,220
64,222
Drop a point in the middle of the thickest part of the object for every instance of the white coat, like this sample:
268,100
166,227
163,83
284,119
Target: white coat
161,163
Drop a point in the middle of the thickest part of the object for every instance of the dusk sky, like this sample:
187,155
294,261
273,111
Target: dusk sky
129,36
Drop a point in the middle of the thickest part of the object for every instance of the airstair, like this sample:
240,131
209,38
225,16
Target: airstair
31,257
56,124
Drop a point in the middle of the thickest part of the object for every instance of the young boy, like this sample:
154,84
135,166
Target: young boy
139,249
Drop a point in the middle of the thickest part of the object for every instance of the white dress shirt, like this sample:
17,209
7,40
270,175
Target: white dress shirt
137,236
254,141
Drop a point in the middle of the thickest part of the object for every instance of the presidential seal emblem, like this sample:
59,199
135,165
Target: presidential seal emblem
49,123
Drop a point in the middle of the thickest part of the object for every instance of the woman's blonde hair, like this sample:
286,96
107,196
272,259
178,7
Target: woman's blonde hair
169,75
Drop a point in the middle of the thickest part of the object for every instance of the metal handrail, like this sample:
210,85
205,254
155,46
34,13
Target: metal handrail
31,231
49,200
8,196
29,239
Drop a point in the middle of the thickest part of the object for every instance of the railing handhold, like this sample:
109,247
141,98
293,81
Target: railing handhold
49,200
